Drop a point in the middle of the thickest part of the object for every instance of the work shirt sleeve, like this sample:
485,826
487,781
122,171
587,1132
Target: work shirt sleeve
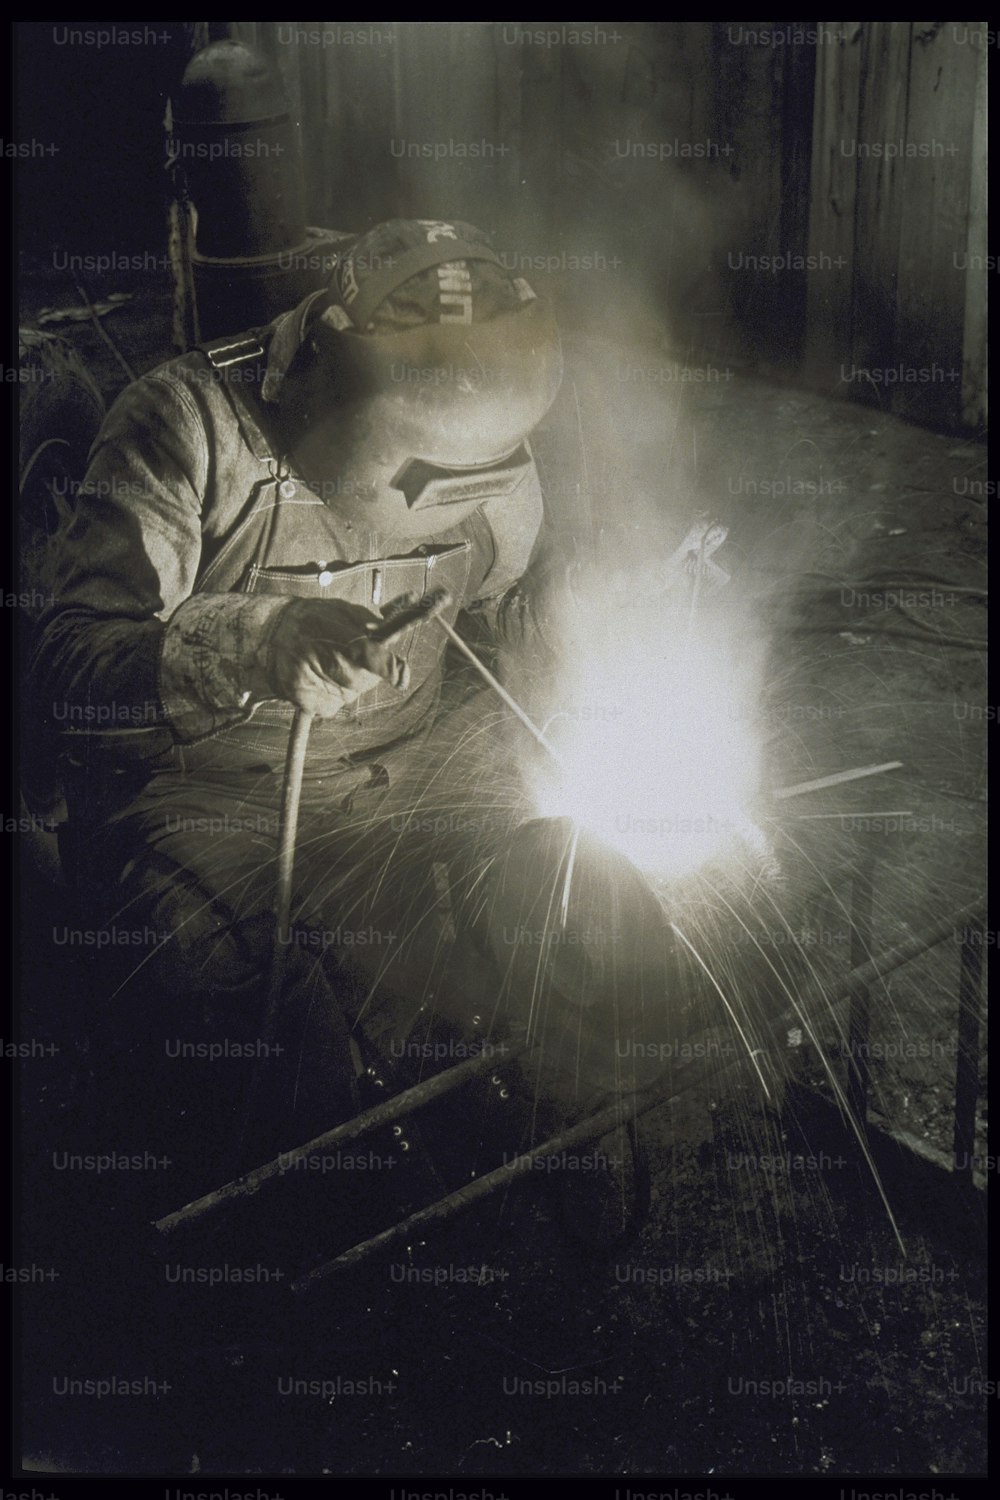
516,605
124,645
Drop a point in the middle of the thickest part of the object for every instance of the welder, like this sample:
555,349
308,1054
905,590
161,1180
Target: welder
251,510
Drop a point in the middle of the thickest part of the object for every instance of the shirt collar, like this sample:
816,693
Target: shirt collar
288,333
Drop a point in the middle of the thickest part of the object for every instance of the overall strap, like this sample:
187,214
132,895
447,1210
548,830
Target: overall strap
240,363
247,355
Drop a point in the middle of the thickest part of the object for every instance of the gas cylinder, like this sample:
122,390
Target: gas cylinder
234,138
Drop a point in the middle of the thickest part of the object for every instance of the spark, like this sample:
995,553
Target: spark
752,1052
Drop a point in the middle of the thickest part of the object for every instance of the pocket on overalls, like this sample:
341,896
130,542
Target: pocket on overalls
372,585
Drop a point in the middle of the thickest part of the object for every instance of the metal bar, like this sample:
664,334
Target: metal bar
859,1018
892,958
597,1125
482,1187
370,1119
402,1104
967,1061
838,778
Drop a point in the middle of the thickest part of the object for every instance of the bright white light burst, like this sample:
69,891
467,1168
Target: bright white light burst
659,754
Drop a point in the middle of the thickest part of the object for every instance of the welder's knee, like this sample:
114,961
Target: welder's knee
219,1083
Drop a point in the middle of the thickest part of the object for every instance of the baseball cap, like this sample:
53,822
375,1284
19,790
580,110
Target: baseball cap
400,275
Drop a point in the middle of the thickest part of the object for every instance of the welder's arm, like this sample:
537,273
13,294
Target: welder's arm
125,645
518,599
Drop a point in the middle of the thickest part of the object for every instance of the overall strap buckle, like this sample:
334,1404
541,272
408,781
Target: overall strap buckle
230,357
223,353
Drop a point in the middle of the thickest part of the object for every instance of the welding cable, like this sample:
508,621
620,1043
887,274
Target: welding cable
288,821
291,796
400,615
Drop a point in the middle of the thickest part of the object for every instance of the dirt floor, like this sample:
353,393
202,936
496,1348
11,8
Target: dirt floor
774,1315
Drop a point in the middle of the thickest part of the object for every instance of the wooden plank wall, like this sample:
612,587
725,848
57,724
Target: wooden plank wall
904,328
566,176
833,190
974,268
897,241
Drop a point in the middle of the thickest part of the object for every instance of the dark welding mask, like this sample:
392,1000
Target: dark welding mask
405,410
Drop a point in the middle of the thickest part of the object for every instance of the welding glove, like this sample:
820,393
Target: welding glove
321,657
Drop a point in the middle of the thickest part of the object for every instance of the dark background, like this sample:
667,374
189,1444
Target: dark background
814,491
779,175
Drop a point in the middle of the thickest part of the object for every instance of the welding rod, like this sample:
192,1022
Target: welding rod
836,779
592,1128
500,690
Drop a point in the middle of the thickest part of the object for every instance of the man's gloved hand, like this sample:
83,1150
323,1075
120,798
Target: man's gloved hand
321,656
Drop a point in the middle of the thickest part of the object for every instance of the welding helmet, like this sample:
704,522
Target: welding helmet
422,372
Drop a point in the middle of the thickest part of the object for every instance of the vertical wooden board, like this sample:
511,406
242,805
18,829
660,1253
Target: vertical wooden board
695,209
747,209
244,31
700,49
542,164
882,117
276,40
724,214
937,172
798,90
730,228
418,109
974,336
465,82
797,85
760,293
358,97
314,68
833,176
484,187
507,84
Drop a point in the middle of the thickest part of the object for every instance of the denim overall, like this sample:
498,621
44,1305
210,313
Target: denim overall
188,846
